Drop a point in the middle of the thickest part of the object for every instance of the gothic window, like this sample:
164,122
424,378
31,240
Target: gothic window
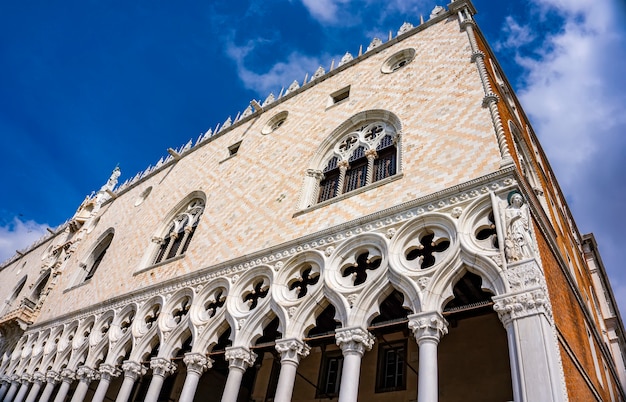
330,374
391,373
179,232
364,155
90,266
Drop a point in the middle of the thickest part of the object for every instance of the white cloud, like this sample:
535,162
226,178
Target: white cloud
325,11
572,89
281,74
516,35
18,235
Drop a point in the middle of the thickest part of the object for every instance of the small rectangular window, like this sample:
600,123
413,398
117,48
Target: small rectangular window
233,149
391,373
330,375
339,96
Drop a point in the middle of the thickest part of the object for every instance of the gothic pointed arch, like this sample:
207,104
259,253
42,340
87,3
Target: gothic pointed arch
360,152
94,257
174,235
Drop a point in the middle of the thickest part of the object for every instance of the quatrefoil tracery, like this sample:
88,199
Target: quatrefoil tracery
152,316
357,271
487,232
426,251
215,303
182,310
306,278
259,291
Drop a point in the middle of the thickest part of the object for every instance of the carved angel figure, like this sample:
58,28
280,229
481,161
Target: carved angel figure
518,243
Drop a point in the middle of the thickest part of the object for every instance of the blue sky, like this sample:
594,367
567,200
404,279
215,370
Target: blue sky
86,85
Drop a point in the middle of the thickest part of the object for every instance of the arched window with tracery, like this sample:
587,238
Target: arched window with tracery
364,154
180,231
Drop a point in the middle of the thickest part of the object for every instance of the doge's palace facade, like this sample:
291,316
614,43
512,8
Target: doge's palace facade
386,230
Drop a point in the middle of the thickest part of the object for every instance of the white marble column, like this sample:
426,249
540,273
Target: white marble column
353,343
428,328
15,384
23,390
5,387
85,376
67,377
38,380
536,369
52,379
106,373
197,364
161,368
132,370
291,351
239,359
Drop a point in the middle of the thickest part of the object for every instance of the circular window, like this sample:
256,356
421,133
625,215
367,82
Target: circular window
275,122
142,197
398,60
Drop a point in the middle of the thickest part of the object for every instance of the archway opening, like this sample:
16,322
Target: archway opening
473,356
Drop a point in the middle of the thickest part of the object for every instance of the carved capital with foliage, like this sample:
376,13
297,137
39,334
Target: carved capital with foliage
240,357
133,370
428,326
354,340
108,371
162,367
292,350
197,363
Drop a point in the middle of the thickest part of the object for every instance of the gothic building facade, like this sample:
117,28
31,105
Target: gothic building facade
386,230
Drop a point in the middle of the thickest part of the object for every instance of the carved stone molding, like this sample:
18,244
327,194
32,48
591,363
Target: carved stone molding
133,369
108,371
162,367
52,377
197,363
354,340
39,378
240,357
26,378
87,374
525,275
292,350
68,375
517,306
428,326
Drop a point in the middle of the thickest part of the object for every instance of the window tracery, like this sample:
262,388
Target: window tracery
361,157
180,231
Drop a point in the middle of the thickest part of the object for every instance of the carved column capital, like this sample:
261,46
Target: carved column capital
197,362
26,378
68,375
108,371
39,378
162,367
371,154
428,326
240,357
87,374
354,340
52,377
511,307
292,350
133,369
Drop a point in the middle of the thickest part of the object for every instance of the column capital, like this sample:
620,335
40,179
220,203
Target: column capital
26,378
87,374
39,377
108,371
52,377
68,375
133,369
515,306
240,357
428,326
162,367
197,362
15,378
292,350
354,340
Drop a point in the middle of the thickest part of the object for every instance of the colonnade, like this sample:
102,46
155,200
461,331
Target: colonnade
353,342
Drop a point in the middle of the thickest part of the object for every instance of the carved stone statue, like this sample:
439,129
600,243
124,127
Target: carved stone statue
518,242
112,182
